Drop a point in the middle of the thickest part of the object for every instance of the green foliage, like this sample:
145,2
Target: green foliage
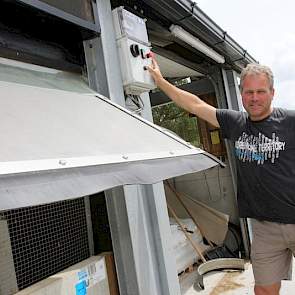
177,120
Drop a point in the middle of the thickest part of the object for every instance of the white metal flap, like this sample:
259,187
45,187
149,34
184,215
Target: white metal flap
57,145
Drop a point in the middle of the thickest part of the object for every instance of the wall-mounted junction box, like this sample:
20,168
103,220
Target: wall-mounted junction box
134,51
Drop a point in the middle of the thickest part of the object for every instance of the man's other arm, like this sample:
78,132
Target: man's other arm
184,99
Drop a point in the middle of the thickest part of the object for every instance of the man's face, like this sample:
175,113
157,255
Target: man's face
257,96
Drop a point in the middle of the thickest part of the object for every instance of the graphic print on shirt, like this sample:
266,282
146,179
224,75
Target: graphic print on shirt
250,148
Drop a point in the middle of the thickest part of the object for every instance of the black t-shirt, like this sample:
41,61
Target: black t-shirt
265,156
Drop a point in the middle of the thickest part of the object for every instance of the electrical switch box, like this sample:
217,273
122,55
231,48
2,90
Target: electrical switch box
129,25
134,51
133,60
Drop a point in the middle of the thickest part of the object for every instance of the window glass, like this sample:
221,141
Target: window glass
29,74
79,8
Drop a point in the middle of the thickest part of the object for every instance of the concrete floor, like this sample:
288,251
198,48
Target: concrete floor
229,283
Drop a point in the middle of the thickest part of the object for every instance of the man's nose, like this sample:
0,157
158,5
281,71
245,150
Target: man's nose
254,96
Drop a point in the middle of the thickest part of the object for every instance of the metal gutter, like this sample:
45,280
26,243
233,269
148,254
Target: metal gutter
208,23
187,14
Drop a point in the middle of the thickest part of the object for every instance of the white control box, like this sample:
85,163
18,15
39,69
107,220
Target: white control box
133,60
129,25
134,52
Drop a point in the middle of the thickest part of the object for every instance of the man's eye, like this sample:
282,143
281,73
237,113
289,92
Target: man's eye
261,91
249,92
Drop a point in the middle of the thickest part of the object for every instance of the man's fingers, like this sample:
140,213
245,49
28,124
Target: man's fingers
149,68
153,66
154,63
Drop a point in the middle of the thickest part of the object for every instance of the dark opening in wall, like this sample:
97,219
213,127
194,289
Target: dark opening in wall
100,224
35,36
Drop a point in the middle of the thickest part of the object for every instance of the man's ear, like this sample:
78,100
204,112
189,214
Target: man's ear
273,92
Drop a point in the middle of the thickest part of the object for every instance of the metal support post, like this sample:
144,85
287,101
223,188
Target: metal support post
138,216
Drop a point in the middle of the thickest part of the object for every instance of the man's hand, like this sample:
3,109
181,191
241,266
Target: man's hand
155,72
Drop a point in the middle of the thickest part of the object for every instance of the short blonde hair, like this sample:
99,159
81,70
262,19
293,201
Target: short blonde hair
256,69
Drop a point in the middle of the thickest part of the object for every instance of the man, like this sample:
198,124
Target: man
265,154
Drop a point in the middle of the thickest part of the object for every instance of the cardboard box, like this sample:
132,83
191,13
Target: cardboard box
89,277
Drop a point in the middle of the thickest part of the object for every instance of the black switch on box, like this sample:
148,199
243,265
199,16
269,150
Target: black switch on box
134,48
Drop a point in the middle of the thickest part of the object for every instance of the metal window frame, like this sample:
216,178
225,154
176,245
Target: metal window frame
62,14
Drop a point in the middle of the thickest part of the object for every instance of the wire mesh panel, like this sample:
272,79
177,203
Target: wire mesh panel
46,239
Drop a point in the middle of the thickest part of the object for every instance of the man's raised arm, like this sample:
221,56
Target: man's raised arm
184,99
